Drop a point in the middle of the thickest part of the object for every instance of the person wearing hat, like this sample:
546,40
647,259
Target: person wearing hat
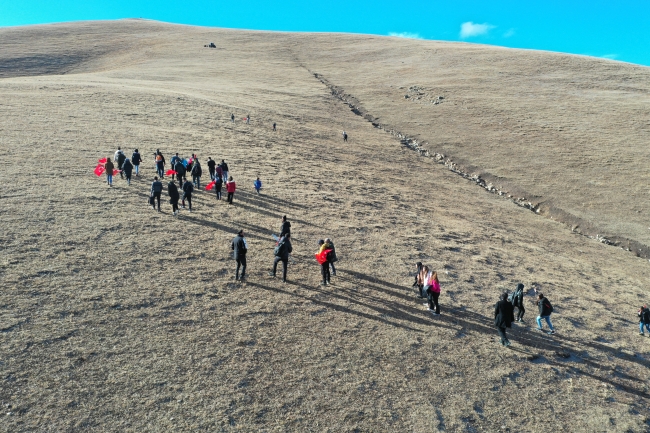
518,301
503,317
240,248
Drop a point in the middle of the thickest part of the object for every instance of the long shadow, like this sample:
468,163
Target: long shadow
265,212
282,202
333,306
214,225
524,336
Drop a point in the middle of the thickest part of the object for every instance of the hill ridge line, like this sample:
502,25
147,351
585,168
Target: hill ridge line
541,208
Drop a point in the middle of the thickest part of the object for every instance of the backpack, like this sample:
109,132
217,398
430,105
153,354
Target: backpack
550,307
513,298
279,249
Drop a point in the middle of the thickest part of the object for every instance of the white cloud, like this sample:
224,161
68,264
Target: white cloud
407,35
509,33
469,29
610,56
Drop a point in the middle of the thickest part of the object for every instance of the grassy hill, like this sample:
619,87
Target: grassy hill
115,317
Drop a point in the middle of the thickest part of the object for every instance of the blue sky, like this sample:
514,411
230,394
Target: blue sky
618,30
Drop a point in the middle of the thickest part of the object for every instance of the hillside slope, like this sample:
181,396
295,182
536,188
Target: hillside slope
115,317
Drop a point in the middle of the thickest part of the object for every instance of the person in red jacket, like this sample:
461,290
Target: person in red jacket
231,186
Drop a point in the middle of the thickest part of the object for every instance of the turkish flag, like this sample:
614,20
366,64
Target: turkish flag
115,171
170,172
99,170
210,186
102,161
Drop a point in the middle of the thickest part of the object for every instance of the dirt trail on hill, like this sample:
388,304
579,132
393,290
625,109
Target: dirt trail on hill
114,317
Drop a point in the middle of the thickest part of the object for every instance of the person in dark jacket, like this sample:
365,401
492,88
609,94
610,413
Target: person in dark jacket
136,159
211,167
518,301
545,310
333,257
644,319
418,281
284,248
119,159
109,167
324,266
188,188
285,228
240,248
160,163
224,170
503,317
127,169
172,163
218,182
173,196
196,173
180,170
156,190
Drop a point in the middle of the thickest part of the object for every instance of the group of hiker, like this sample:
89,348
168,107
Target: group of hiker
180,169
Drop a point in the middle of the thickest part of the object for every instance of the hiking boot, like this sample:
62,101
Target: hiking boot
426,304
507,343
323,283
551,332
539,329
271,274
641,333
434,312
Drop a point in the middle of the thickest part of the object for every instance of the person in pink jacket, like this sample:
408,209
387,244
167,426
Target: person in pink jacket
231,186
432,286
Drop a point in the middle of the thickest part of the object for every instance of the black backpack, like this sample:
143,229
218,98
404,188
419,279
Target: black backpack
513,298
279,249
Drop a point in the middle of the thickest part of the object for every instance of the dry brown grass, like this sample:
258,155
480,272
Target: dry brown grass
114,317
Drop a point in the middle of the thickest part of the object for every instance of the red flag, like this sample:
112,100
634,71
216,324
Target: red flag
102,161
99,170
115,171
322,256
170,172
210,186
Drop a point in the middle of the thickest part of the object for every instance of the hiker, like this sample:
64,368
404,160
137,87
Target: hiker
332,257
173,196
418,281
160,164
179,168
188,188
127,169
175,160
196,172
545,310
503,317
422,281
218,172
232,117
248,119
644,319
274,126
281,252
224,170
432,290
517,300
156,190
217,186
211,166
240,248
136,159
322,257
345,137
285,228
231,187
258,185
119,159
109,167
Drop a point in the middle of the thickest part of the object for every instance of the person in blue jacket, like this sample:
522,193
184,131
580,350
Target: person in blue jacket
258,185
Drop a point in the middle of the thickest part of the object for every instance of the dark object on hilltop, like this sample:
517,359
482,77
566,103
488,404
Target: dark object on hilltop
211,45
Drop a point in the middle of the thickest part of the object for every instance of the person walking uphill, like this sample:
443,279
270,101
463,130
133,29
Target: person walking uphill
156,191
173,196
218,182
160,164
109,167
545,310
240,248
211,167
432,286
127,169
119,159
231,187
517,300
188,188
224,170
644,319
332,257
285,228
180,170
282,251
503,317
197,172
322,257
136,159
